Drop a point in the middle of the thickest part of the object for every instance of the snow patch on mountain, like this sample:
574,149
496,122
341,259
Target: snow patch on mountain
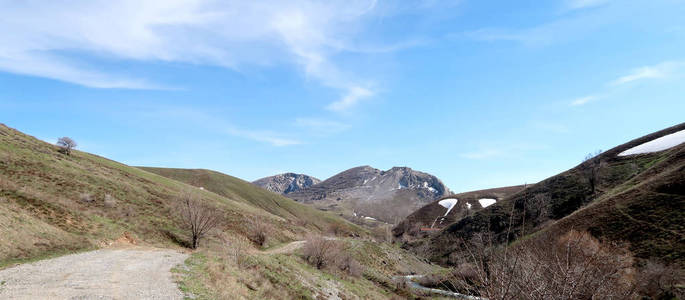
449,204
485,202
656,145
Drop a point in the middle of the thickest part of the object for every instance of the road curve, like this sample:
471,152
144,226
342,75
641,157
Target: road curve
132,273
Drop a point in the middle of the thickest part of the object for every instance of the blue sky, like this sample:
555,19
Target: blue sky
478,93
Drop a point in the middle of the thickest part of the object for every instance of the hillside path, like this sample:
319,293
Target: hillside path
129,273
288,248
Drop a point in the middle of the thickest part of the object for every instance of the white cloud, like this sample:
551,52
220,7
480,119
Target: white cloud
354,94
262,136
44,38
661,70
583,100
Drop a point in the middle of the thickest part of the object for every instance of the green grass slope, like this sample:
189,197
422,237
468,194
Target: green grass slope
246,192
639,199
51,203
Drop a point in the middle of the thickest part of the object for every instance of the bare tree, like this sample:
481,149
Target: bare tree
66,144
592,169
198,217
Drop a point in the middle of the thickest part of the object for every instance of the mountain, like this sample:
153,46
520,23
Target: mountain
447,210
633,193
383,195
52,203
286,183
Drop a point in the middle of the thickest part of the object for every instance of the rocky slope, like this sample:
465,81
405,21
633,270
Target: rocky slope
286,183
384,195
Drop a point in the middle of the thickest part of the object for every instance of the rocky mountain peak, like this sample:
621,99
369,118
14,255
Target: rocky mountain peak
286,183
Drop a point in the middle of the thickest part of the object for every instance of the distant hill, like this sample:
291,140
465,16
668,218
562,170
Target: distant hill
624,194
440,213
385,195
52,203
286,183
240,190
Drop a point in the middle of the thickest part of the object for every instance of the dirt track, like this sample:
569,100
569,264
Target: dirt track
132,273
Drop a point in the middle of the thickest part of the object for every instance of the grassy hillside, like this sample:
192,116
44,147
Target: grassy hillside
246,192
638,199
53,203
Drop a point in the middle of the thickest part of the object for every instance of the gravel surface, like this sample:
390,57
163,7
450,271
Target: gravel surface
103,274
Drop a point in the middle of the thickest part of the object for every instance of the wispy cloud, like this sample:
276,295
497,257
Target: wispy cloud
262,136
583,100
201,119
66,42
661,70
352,97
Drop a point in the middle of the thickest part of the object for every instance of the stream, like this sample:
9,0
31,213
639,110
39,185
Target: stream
416,286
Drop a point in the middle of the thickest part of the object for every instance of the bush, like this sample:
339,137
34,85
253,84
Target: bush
237,250
573,266
258,231
348,265
320,251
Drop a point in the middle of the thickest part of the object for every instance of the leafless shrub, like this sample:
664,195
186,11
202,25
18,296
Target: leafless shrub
86,197
338,229
110,202
573,266
257,231
66,144
198,217
324,252
237,250
348,265
658,281
319,251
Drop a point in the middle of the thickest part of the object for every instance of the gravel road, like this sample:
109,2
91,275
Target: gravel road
136,273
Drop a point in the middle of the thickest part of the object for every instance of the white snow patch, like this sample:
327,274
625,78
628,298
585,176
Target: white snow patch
370,218
468,205
656,145
485,202
449,204
354,213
